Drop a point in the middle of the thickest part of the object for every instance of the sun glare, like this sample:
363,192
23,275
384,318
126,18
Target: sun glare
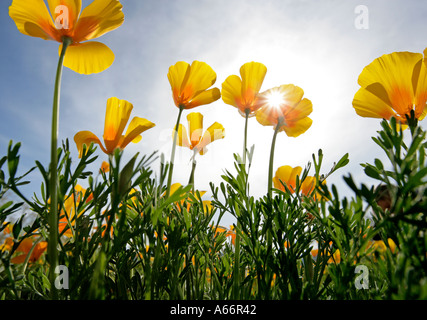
275,99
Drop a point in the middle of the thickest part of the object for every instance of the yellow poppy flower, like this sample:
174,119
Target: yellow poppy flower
190,84
105,167
68,211
207,207
391,86
197,141
288,176
7,244
116,117
286,107
242,93
34,19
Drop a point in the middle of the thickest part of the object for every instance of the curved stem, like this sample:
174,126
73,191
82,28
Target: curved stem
173,152
53,183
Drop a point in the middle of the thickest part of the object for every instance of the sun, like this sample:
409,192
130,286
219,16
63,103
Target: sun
275,99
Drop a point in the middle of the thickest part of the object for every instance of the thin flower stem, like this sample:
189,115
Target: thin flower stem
193,170
173,152
270,167
53,217
245,138
236,278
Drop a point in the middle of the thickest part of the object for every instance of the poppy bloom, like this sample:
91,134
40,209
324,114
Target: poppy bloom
25,247
34,19
116,118
190,84
288,176
68,212
188,201
105,167
198,140
284,106
392,86
243,92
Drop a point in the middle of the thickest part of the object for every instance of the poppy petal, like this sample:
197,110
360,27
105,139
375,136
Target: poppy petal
135,128
253,74
116,117
214,132
69,9
86,138
182,139
33,19
287,175
195,125
394,72
370,105
98,18
231,90
201,77
294,129
205,97
89,57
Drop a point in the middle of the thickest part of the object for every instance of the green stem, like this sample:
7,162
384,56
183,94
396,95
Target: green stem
181,108
270,179
53,217
236,279
270,167
193,170
245,138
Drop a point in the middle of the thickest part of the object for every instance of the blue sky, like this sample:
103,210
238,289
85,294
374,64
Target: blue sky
313,44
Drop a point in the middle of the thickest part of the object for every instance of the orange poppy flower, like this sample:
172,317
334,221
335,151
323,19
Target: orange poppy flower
393,85
116,117
25,247
105,167
190,84
33,18
243,93
286,107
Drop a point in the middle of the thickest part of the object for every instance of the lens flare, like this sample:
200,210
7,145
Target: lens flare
275,99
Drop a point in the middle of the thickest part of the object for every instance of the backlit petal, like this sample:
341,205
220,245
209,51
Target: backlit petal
294,129
201,77
287,175
182,139
253,74
214,132
290,110
231,90
98,18
370,105
135,128
420,75
86,138
66,9
299,111
205,97
89,57
394,73
195,125
116,117
33,19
